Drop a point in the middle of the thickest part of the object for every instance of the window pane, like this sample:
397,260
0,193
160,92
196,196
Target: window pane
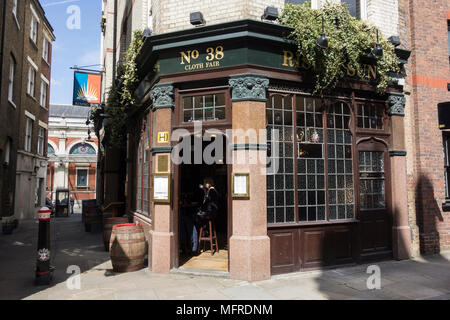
82,178
340,178
352,7
204,108
296,1
280,184
370,116
371,171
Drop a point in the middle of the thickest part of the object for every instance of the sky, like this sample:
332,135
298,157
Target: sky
76,25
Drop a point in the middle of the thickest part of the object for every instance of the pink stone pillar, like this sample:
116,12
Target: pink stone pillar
401,231
162,239
162,244
249,243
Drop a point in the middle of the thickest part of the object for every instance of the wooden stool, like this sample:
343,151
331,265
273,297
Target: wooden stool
212,236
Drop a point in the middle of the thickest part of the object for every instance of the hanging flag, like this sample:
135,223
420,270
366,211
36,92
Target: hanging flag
86,88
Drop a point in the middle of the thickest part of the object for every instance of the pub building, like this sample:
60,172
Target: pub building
338,195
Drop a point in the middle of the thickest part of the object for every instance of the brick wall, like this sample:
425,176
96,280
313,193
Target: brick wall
429,73
9,112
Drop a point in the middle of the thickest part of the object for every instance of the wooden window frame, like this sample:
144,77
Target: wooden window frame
367,131
145,139
87,177
351,127
191,93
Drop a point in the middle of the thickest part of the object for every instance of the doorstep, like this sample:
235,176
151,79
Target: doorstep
201,272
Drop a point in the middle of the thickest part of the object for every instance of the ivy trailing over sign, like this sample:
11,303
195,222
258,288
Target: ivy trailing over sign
349,42
121,98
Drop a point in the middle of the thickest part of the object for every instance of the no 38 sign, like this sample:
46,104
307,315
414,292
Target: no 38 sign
212,54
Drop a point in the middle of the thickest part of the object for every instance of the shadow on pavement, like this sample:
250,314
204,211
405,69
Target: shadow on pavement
70,246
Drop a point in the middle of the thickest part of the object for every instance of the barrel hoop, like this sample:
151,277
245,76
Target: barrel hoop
126,230
125,225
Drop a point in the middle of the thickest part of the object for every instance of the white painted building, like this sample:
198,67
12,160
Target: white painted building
72,155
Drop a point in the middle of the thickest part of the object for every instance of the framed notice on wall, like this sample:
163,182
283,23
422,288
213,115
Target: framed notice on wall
241,185
161,187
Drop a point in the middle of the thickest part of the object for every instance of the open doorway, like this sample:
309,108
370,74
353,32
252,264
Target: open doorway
192,253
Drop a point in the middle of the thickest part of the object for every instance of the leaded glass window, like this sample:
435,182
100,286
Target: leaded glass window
146,166
371,171
310,159
139,178
370,116
280,184
340,163
209,107
315,172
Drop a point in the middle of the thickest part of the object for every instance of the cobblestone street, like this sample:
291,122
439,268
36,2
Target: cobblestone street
422,278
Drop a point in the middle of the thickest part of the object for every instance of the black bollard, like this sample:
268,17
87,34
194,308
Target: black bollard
43,269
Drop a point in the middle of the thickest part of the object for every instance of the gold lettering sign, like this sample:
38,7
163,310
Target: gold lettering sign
365,71
189,58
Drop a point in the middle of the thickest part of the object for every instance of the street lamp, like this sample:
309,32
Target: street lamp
378,51
323,41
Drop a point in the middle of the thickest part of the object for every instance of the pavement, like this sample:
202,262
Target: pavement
426,277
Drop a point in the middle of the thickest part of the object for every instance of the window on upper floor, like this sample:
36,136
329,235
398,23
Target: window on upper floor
82,178
28,133
7,156
41,139
44,90
12,72
14,9
448,35
296,1
45,49
31,80
356,8
34,29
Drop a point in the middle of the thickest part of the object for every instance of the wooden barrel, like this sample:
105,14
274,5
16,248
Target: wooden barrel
108,224
127,247
92,217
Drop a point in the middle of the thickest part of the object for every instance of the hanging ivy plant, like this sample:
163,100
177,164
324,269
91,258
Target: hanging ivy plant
130,77
121,97
349,41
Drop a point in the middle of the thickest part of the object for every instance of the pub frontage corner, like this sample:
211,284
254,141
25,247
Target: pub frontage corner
225,150
338,195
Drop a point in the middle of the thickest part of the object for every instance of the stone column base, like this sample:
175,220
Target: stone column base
401,242
161,251
250,258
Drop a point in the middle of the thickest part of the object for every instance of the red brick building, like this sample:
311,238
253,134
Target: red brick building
428,38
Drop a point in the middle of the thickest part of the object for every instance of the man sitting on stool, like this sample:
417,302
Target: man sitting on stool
210,205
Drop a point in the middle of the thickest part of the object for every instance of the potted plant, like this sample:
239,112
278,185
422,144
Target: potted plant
7,226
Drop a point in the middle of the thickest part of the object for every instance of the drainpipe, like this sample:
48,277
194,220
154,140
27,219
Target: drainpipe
114,42
3,45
